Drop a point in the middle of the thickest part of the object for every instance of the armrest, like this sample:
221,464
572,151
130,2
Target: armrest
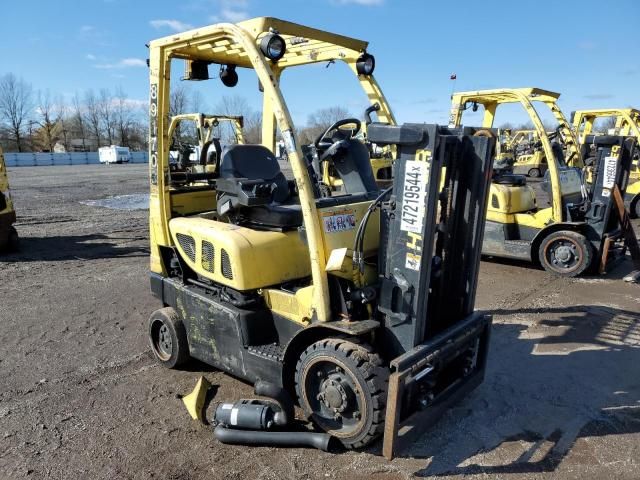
247,193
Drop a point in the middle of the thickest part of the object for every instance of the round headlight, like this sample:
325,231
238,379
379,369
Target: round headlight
228,75
273,46
366,64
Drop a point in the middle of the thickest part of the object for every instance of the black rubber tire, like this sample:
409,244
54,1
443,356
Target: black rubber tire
361,367
13,240
534,173
581,254
634,207
165,324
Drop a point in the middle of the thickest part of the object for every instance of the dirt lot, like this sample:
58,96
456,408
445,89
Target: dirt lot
82,398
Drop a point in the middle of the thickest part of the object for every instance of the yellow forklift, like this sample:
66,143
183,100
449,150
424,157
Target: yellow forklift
627,122
9,240
203,156
581,226
360,306
528,153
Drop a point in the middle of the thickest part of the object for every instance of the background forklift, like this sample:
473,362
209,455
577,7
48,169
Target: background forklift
626,122
580,227
9,240
529,155
194,134
359,305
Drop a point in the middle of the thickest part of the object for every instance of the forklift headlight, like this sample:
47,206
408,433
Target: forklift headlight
366,64
273,46
228,75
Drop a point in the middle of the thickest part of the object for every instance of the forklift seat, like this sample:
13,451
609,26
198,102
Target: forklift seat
510,179
244,163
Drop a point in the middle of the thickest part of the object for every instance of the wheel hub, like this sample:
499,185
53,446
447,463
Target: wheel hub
333,394
564,254
164,340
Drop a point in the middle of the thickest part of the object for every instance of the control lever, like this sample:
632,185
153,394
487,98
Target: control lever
367,113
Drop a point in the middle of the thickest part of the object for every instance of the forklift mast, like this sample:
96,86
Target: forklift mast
611,160
429,262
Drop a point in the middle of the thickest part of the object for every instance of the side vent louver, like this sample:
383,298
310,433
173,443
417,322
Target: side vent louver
226,265
188,245
208,256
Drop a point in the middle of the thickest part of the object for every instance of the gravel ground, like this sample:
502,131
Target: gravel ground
82,398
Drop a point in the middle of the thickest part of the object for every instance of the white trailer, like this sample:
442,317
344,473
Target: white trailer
114,154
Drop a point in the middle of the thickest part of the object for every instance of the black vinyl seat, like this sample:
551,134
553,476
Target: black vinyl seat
257,165
510,179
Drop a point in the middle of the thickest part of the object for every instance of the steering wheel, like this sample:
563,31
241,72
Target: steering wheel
556,133
322,142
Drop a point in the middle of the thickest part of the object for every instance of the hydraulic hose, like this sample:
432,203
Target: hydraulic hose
321,441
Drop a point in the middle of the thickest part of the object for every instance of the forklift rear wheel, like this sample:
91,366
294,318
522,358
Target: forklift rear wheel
534,173
565,253
168,338
634,207
342,386
13,242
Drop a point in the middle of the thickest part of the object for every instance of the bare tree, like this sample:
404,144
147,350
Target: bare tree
16,105
62,114
93,115
106,110
236,105
46,120
178,104
320,120
123,117
78,120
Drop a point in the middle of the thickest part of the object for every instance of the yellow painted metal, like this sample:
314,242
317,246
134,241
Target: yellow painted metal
537,220
4,185
333,239
7,213
490,99
238,44
194,402
257,259
511,199
194,202
294,306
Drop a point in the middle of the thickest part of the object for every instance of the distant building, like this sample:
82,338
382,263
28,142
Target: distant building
82,145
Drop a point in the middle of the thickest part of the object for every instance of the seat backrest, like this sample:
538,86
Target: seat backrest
353,165
254,162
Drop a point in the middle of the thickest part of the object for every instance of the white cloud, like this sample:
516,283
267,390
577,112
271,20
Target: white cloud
231,11
234,15
124,63
175,25
91,56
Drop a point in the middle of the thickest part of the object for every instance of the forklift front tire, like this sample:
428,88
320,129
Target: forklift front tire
565,253
634,207
342,386
168,338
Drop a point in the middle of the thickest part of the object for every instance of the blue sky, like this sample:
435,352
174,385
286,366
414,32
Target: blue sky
587,50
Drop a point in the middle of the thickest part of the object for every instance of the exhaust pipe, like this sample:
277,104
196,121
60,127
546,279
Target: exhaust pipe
229,436
281,397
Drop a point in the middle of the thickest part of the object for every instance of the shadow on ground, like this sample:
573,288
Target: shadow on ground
541,396
82,247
